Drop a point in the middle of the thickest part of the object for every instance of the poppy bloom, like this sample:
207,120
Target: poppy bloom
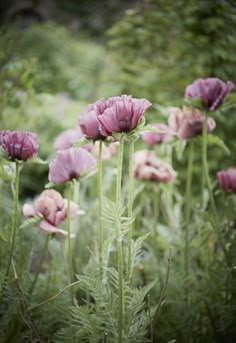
212,91
70,164
67,139
188,123
122,114
89,123
20,145
107,151
227,180
52,208
148,167
153,138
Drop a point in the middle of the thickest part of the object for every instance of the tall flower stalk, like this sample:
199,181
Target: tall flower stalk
68,222
130,206
100,236
208,183
119,241
188,204
15,217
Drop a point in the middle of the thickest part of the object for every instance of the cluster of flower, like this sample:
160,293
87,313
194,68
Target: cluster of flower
120,114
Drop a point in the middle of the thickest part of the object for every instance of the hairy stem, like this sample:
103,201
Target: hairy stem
15,218
70,262
39,267
100,237
216,224
130,207
188,204
119,241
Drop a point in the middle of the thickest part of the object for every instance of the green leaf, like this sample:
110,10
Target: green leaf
214,140
36,160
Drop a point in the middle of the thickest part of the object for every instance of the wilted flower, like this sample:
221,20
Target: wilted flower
148,167
52,208
212,91
89,123
69,164
227,179
107,151
19,145
152,138
122,114
188,123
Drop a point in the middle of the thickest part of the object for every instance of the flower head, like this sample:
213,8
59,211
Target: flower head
69,164
67,139
188,123
89,123
212,91
227,180
19,145
148,167
153,138
52,208
122,114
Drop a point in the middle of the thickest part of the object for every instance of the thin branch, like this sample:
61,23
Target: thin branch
55,296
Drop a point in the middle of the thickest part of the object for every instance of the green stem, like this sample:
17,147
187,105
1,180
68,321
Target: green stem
70,262
188,203
119,241
39,267
100,237
216,225
15,218
130,207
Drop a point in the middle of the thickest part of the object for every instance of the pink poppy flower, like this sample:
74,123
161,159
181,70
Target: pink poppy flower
188,123
148,167
20,145
67,139
52,208
70,164
153,138
89,123
107,151
227,179
122,114
212,91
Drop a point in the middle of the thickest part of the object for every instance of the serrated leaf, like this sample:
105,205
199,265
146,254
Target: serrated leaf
80,143
215,140
50,185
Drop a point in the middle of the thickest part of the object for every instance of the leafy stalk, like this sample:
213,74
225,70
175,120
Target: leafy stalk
130,207
100,238
119,241
70,266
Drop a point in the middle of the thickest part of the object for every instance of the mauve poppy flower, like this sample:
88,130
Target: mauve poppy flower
89,123
212,91
67,139
69,164
52,208
148,167
188,123
227,179
122,114
20,145
153,138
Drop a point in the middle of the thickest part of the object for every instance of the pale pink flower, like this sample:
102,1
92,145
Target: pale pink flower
122,114
153,138
227,179
212,91
148,167
107,151
70,164
52,209
67,139
20,145
188,123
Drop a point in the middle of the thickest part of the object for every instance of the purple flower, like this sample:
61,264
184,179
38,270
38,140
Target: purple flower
19,145
212,91
122,114
148,167
52,208
89,123
188,123
153,138
67,139
227,179
69,164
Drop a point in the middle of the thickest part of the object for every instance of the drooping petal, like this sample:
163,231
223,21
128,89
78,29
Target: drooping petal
50,229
